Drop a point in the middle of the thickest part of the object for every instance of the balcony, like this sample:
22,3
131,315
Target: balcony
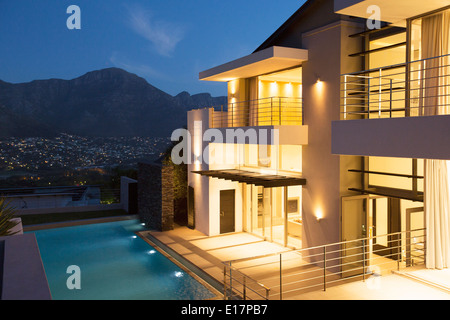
418,88
397,111
273,111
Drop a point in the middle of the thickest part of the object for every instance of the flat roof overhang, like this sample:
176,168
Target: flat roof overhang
390,10
255,178
259,63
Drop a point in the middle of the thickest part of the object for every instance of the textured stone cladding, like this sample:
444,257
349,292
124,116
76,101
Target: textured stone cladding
155,196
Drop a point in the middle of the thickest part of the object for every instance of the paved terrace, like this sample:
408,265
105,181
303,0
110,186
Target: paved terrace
208,253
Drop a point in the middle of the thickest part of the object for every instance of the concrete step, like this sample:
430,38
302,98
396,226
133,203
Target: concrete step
429,282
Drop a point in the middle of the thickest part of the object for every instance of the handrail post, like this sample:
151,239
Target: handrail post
301,111
231,279
380,83
232,121
324,268
271,110
279,111
345,97
364,259
368,98
224,282
281,280
399,252
390,100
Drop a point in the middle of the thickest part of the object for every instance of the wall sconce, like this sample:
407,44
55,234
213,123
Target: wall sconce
319,215
317,78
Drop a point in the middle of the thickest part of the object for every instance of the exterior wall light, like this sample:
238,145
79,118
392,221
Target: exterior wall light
319,215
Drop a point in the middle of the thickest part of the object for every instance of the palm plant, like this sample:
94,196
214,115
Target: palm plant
7,213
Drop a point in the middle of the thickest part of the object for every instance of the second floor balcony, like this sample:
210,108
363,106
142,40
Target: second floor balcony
417,88
399,111
273,111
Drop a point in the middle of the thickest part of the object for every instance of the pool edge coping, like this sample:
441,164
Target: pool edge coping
75,223
175,258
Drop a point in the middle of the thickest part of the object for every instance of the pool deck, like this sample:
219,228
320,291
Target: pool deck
208,253
21,270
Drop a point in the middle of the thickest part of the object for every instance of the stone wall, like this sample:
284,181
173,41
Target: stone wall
155,196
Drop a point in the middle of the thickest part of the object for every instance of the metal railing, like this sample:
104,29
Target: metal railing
260,112
291,273
238,285
68,198
416,88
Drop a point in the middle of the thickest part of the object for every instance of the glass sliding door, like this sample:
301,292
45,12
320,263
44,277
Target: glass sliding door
278,216
294,217
274,214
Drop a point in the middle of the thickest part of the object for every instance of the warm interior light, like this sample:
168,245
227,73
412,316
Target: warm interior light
233,85
319,85
274,89
319,214
289,89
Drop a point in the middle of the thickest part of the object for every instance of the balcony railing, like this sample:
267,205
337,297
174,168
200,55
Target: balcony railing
415,88
288,274
260,112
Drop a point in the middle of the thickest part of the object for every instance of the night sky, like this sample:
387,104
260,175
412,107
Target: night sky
166,42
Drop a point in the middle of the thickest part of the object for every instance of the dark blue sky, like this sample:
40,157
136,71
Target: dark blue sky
166,42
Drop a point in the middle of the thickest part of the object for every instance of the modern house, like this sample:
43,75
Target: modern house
336,129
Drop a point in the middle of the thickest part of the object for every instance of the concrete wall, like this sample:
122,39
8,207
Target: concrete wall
328,59
411,137
199,183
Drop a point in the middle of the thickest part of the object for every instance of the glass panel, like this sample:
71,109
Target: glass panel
295,223
278,215
267,210
387,89
380,214
390,165
354,225
258,214
429,38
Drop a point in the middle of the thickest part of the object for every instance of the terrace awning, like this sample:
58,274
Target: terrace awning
255,178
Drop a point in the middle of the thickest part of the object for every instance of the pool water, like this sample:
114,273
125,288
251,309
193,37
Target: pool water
114,264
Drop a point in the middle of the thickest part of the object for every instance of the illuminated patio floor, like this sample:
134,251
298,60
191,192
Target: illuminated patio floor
208,253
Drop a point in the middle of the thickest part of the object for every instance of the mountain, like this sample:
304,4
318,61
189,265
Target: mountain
109,102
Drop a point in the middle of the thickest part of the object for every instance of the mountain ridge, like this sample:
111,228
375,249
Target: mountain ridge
106,102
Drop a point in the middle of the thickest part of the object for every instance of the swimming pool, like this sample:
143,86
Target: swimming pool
114,264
